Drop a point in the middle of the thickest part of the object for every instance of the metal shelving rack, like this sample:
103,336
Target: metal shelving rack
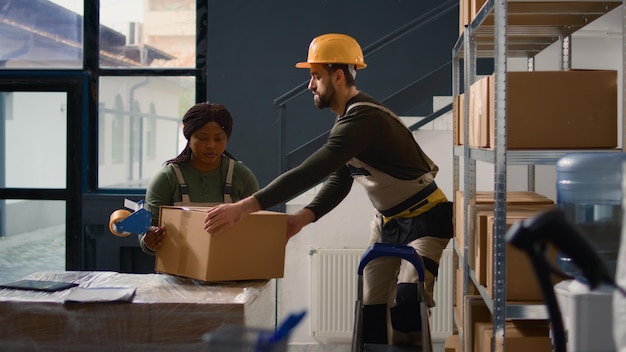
502,29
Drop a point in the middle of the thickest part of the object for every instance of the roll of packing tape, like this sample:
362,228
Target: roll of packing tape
116,217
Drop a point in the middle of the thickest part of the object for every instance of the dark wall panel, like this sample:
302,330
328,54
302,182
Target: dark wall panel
253,46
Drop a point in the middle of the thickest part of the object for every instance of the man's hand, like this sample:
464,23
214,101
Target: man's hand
154,237
297,221
223,216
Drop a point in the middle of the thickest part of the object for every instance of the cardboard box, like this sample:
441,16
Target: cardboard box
521,280
476,311
577,106
476,6
517,337
453,344
483,213
465,14
487,197
459,297
479,114
458,111
252,249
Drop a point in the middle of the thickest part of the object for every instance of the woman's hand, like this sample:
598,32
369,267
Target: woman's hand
223,216
154,237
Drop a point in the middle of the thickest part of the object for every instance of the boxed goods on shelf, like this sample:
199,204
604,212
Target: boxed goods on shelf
487,197
458,294
578,106
484,229
521,280
457,112
453,344
476,312
519,337
479,113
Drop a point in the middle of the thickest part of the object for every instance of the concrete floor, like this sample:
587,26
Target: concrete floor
26,253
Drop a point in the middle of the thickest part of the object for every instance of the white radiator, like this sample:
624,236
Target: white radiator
334,290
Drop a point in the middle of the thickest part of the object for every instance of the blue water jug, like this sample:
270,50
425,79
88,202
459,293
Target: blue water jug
589,191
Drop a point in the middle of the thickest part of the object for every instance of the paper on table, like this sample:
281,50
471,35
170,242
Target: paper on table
101,294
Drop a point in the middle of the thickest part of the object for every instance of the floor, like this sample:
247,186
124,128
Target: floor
26,253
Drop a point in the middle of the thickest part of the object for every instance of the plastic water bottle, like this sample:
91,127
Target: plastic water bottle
589,191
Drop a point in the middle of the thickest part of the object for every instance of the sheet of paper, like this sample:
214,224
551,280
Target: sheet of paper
101,294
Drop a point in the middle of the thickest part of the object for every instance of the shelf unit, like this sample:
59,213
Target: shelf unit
503,29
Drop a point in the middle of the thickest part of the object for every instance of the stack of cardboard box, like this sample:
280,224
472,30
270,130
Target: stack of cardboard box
574,109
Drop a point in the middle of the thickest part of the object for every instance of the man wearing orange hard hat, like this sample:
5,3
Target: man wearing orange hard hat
368,144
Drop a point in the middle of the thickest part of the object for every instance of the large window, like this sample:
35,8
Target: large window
140,33
91,99
133,33
144,115
41,34
35,139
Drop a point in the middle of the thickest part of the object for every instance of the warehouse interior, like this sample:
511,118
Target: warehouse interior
91,100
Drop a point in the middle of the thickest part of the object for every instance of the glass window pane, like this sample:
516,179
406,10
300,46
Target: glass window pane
37,131
49,35
148,33
31,243
140,127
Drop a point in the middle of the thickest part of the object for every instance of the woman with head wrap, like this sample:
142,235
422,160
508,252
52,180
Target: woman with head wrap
204,173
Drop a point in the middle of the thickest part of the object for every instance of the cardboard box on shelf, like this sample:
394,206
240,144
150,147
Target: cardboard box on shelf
487,197
483,213
518,337
465,14
453,344
252,249
476,5
459,297
521,279
479,114
476,311
578,106
458,109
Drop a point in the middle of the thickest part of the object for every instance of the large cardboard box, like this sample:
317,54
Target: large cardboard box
518,337
476,311
483,213
459,298
453,344
252,249
458,114
479,113
465,14
558,109
521,280
487,197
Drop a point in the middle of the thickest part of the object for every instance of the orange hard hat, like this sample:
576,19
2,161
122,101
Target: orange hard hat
334,48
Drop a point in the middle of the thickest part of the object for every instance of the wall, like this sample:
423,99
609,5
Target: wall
254,45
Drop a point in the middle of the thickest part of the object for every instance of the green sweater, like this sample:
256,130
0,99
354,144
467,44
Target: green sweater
204,187
367,134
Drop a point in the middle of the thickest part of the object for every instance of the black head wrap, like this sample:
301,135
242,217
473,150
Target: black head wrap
198,116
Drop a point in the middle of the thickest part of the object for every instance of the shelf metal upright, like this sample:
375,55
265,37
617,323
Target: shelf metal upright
499,273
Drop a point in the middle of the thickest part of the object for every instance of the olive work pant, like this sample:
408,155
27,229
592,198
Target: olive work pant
390,282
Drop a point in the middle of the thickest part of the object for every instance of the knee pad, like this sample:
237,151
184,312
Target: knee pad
375,324
405,314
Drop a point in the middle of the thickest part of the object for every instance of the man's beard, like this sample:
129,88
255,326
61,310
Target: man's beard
323,101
